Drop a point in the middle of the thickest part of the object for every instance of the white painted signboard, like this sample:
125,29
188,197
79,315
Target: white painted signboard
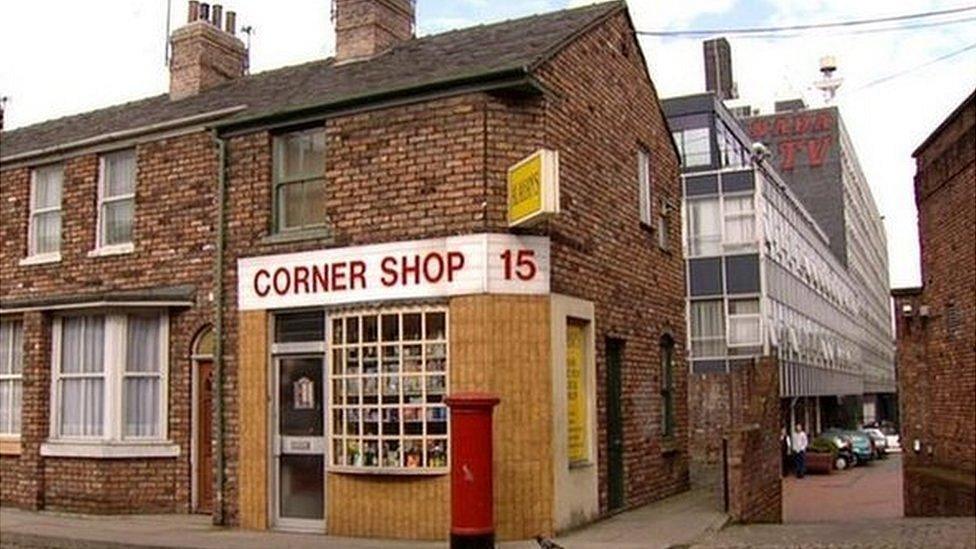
437,267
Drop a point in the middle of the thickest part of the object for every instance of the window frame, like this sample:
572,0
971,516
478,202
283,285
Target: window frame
743,317
337,463
101,247
278,182
14,378
738,246
644,187
668,421
34,212
114,366
694,340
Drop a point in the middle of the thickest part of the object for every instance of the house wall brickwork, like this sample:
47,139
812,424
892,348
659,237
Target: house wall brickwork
173,242
937,352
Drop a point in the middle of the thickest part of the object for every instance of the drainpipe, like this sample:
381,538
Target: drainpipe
218,359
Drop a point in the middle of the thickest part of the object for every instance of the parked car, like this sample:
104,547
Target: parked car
837,444
862,449
890,431
880,441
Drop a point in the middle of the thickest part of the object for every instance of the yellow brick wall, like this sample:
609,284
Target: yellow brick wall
253,394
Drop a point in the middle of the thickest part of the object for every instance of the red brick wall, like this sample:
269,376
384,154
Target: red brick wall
708,411
604,108
173,236
937,354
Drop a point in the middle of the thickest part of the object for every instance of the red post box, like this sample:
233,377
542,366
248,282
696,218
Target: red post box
472,498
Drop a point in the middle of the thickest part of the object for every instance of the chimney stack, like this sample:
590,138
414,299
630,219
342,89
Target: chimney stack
204,54
365,28
718,68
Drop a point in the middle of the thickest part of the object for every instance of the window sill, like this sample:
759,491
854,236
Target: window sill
109,450
297,236
41,259
396,472
118,249
583,464
669,446
10,445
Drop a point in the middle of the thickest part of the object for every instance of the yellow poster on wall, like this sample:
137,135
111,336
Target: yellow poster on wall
576,392
533,188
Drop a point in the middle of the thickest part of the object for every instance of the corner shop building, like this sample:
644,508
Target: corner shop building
368,270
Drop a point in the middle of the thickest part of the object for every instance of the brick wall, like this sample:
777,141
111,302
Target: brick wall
937,353
604,108
708,410
173,235
754,466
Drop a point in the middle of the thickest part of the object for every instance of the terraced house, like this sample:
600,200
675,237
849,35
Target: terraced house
250,296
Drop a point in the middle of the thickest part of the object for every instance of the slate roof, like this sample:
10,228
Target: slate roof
466,54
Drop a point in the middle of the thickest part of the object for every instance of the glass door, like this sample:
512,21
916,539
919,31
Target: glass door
299,443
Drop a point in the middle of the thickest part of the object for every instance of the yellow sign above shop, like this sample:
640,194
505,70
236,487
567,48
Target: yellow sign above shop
533,188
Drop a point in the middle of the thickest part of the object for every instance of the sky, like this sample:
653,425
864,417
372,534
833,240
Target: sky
60,57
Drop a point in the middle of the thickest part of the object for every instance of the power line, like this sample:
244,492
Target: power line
892,76
757,30
859,31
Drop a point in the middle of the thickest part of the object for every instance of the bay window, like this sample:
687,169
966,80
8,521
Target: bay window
110,378
389,377
11,376
707,328
44,229
116,199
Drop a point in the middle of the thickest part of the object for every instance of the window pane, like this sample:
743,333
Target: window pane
82,406
46,233
120,174
6,338
47,187
6,395
704,227
301,155
142,344
743,330
314,202
142,406
744,307
82,343
707,328
17,348
18,399
697,147
117,222
294,327
290,206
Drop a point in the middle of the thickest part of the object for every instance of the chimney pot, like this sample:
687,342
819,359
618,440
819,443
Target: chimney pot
204,11
217,15
194,12
203,54
231,23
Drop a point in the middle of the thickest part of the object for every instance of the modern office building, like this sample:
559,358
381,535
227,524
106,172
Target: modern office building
763,280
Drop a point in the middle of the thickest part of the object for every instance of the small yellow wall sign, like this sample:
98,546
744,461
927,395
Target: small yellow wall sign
533,188
578,446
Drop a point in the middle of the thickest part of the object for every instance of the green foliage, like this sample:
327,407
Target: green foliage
823,445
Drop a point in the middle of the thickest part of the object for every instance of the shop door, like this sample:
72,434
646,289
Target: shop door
299,444
204,442
615,430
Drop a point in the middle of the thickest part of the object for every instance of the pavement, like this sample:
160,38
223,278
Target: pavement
678,520
871,491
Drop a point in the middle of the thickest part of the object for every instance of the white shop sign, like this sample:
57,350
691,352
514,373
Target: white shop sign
437,267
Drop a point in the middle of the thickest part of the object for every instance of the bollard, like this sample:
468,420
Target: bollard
472,499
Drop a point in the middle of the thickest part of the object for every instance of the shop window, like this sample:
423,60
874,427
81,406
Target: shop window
707,328
389,377
667,386
11,375
577,391
116,199
744,322
44,238
110,377
299,180
644,185
704,227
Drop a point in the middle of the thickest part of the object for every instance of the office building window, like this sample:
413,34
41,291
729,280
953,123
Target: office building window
694,146
707,328
299,180
744,322
740,222
704,227
44,231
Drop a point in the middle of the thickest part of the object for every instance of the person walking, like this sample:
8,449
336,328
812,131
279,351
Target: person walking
799,442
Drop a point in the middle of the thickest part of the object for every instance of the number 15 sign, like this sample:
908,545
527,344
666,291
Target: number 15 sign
437,267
